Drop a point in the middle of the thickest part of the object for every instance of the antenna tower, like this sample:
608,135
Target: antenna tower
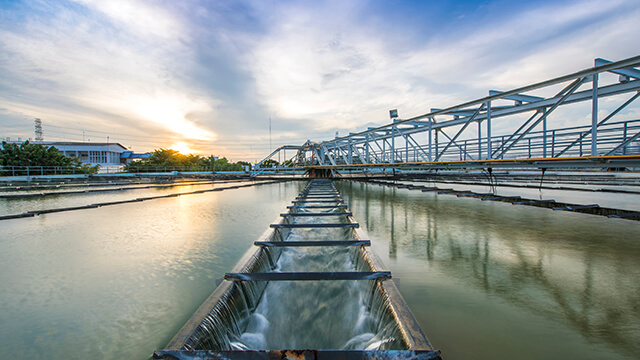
38,123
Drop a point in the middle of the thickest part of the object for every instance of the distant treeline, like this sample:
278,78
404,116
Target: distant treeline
172,159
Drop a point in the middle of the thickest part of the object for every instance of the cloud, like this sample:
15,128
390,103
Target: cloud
98,64
329,66
145,19
212,73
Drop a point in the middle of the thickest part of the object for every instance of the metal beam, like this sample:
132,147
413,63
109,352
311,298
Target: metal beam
567,91
316,214
317,206
456,144
296,354
467,122
516,97
594,115
625,143
341,150
614,113
312,243
314,226
630,72
309,276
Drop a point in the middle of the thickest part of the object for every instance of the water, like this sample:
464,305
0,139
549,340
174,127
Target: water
497,281
623,201
120,281
313,314
18,206
485,280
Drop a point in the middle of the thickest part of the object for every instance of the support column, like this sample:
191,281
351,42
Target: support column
406,149
430,155
479,140
544,135
436,146
488,130
393,145
624,139
384,150
366,148
594,116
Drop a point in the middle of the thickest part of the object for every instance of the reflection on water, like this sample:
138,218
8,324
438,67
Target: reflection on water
20,205
485,280
534,282
118,282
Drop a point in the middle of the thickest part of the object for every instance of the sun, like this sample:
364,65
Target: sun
182,148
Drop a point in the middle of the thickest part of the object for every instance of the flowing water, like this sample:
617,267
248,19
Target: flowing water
485,280
301,314
316,314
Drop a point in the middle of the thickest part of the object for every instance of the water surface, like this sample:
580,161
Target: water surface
120,281
491,280
486,280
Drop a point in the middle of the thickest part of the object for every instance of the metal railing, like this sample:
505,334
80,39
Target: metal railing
464,132
43,170
69,170
181,169
570,142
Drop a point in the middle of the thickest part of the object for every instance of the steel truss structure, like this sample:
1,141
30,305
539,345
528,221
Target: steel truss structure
461,136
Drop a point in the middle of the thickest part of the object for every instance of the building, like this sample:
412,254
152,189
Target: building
129,156
94,153
103,154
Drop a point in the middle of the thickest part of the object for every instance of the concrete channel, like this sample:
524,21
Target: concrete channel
218,328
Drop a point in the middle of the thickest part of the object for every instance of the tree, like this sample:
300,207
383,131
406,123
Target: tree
269,163
172,159
28,154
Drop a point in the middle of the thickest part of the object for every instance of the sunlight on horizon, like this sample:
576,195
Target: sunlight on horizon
172,112
183,148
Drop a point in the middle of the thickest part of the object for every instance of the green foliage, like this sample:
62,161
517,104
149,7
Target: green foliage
28,154
168,159
269,163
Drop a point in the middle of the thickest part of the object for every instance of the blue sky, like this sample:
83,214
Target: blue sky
210,74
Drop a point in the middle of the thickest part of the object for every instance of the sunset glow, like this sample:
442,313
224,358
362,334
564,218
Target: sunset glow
182,148
152,74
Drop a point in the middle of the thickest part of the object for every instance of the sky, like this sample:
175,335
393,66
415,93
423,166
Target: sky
238,78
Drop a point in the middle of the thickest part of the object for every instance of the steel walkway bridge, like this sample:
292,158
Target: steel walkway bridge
530,119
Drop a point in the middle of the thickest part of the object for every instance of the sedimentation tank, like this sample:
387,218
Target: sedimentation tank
311,288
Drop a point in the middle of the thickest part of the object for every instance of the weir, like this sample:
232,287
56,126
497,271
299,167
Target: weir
310,283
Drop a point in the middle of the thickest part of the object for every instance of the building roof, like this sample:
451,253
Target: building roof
78,143
131,155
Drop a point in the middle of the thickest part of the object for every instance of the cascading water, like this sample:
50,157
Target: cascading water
319,315
343,314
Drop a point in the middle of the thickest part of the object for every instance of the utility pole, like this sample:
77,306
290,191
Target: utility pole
270,135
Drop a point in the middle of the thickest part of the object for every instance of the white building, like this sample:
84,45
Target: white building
103,154
107,155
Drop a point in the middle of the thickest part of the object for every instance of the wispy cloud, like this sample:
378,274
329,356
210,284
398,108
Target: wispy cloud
321,69
211,74
97,64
